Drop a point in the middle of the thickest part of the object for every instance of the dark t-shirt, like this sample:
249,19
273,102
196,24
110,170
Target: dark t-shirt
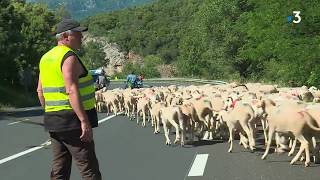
66,120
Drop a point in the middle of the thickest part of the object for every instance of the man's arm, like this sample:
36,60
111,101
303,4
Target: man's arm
40,93
71,70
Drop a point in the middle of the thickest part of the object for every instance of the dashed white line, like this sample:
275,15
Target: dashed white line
109,117
199,164
16,122
33,108
47,143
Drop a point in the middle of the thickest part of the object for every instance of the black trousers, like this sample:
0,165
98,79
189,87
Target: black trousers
67,145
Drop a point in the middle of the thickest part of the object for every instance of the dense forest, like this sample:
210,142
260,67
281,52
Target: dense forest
25,35
80,9
217,39
249,40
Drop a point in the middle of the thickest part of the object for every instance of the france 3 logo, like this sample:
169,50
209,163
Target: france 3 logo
294,19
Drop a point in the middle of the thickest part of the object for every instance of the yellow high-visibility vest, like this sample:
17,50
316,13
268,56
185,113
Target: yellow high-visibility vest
53,86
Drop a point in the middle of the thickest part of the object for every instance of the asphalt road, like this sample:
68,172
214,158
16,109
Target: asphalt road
127,151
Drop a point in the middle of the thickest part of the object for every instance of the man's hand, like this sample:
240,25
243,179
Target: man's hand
86,135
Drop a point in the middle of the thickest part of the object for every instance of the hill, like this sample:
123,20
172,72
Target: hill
83,8
216,39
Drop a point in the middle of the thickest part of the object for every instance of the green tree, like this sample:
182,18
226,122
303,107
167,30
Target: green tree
150,65
36,37
130,67
276,49
25,35
217,39
92,55
10,41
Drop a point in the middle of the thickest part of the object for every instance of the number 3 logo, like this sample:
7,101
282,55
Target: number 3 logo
297,15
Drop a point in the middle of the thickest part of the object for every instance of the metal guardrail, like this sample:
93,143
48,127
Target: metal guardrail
162,80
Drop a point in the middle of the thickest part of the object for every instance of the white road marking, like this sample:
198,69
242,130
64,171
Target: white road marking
47,143
199,164
109,117
33,108
16,122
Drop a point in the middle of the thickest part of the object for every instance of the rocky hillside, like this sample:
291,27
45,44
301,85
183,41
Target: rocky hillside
113,56
116,59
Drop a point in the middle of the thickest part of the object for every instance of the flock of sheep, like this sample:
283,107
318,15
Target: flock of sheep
208,111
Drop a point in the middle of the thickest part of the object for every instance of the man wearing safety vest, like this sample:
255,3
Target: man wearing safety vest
66,91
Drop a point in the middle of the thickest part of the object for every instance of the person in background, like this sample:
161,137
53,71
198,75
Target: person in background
141,77
66,91
102,81
131,80
140,81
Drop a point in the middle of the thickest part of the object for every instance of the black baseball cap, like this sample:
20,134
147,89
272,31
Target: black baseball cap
69,24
